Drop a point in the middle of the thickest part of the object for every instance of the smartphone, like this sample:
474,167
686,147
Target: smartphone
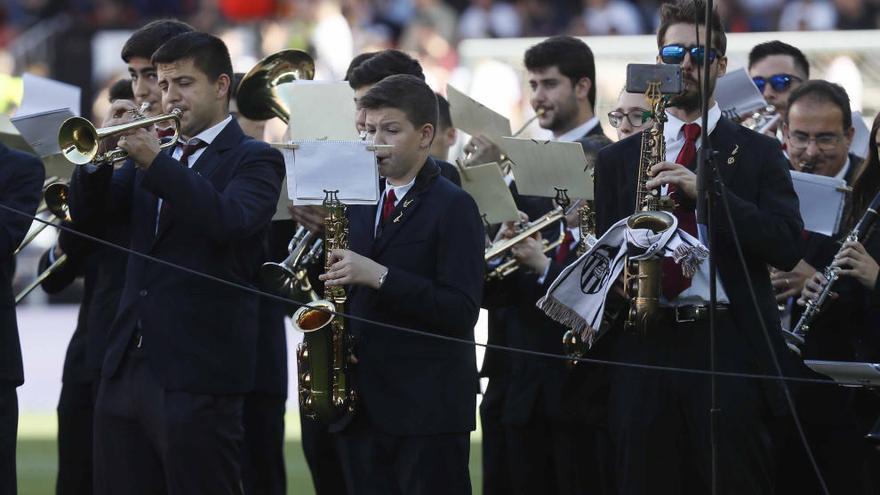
639,75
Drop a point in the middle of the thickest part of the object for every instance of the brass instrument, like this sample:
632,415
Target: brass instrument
80,140
572,343
325,387
859,233
763,119
290,277
501,249
642,277
256,95
40,278
55,198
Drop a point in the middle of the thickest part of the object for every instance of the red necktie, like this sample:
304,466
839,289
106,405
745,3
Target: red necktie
564,247
388,205
674,281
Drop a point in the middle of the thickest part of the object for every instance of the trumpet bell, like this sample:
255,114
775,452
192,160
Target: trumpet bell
276,276
56,197
256,96
78,140
314,316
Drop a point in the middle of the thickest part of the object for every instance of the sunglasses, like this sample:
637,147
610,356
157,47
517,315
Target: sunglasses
779,82
674,54
636,118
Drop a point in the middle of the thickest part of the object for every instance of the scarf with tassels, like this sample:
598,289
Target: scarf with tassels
576,299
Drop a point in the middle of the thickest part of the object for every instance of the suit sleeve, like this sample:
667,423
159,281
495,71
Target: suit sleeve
242,209
62,276
101,196
449,304
20,191
770,229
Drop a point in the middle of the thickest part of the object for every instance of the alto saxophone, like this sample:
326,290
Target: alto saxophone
323,358
859,233
642,278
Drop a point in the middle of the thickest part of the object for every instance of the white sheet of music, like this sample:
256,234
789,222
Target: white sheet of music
541,166
491,193
822,200
42,94
737,94
345,166
474,118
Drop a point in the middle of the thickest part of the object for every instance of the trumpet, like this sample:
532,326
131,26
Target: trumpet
763,119
55,197
290,276
502,248
80,140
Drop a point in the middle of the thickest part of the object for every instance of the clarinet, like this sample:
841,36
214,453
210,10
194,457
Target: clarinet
859,233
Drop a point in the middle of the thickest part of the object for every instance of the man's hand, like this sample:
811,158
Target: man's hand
672,173
855,262
530,254
791,284
142,146
482,150
812,289
311,217
509,229
350,268
120,112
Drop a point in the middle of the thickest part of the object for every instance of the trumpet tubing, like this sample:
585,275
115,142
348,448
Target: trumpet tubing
80,140
40,278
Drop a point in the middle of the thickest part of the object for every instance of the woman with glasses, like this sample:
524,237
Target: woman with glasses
631,114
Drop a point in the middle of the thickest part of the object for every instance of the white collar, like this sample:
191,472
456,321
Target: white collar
579,131
211,133
841,174
673,126
399,191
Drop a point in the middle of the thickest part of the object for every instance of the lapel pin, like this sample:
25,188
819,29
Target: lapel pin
732,159
407,203
397,219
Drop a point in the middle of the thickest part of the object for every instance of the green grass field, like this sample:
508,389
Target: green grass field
38,461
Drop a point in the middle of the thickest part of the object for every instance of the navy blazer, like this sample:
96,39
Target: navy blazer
199,335
433,247
21,187
765,213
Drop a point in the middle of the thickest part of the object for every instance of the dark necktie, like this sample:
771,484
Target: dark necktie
674,281
564,247
388,205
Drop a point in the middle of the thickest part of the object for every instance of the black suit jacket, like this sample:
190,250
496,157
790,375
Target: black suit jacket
765,215
271,372
536,384
411,384
199,335
21,182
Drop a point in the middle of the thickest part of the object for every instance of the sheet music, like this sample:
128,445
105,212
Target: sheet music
822,200
847,372
42,95
347,166
320,110
40,130
542,166
737,95
474,118
487,186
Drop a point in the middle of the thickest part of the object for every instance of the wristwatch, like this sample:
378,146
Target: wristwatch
382,278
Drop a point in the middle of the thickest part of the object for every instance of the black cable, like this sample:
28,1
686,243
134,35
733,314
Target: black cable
424,333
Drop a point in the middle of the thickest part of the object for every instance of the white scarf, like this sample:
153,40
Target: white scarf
577,297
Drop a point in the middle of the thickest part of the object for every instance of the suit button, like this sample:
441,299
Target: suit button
143,292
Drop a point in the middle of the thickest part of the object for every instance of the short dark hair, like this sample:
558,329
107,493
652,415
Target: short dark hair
571,56
120,90
208,53
820,91
356,61
146,40
406,93
444,117
381,65
691,12
776,47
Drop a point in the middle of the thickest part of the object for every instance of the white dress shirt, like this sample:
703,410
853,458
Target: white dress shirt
698,292
579,131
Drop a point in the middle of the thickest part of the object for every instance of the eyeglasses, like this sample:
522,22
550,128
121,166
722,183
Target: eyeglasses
825,142
779,82
636,118
674,54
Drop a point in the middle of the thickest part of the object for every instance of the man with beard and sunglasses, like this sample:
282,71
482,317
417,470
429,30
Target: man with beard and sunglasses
659,421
